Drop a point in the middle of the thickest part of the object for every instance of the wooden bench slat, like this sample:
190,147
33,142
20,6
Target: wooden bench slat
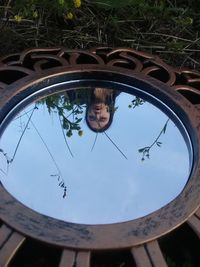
10,248
198,211
68,258
148,255
140,256
194,223
5,233
156,254
83,259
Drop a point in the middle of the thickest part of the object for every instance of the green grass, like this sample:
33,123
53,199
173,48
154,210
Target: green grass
167,28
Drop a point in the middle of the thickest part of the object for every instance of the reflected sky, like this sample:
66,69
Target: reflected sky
93,177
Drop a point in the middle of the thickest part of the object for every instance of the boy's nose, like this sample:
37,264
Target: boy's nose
97,116
97,112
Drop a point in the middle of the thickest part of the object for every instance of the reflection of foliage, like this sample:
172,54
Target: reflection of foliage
9,161
61,104
19,141
61,184
146,150
136,102
5,155
59,175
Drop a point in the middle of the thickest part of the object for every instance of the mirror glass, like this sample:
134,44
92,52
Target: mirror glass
93,156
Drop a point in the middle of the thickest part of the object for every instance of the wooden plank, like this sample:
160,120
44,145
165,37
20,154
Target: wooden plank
140,256
5,233
155,253
198,213
148,255
68,258
194,223
10,248
83,259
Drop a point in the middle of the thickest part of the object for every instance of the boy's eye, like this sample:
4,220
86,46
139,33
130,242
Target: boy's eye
92,118
102,119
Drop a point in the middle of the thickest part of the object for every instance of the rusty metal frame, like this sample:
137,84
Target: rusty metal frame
23,74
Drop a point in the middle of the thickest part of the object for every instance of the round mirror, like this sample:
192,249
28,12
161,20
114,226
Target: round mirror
94,156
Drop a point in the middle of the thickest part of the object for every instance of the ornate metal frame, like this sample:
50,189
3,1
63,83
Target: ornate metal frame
21,75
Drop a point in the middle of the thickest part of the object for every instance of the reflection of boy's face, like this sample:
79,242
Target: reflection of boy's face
98,116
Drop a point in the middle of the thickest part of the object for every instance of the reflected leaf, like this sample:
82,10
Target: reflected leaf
158,143
165,127
78,120
137,101
69,133
142,149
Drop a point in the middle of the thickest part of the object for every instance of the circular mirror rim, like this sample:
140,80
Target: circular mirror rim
118,235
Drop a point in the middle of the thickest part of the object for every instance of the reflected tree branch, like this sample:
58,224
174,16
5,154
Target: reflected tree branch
59,175
95,140
20,139
65,139
5,156
22,115
115,145
146,150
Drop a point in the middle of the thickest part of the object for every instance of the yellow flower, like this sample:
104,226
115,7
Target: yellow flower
18,18
188,21
69,15
80,133
61,2
77,3
35,14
